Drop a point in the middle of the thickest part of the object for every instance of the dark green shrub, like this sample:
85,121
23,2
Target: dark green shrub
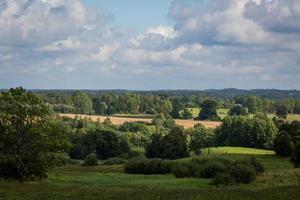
242,173
131,154
259,168
283,145
73,162
91,160
78,151
147,166
296,156
114,161
211,168
181,170
58,159
223,179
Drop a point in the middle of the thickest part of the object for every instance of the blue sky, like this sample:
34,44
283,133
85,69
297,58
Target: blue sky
145,45
137,14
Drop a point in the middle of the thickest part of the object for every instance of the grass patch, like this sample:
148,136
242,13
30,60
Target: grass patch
237,150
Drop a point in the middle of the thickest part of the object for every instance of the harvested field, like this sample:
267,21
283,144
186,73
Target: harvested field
122,120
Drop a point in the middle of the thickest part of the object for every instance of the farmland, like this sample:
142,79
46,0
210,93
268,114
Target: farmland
280,181
122,120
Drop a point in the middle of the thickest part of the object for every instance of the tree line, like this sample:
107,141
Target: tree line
175,106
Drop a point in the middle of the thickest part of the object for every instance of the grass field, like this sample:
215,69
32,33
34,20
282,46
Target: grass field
224,112
280,181
237,150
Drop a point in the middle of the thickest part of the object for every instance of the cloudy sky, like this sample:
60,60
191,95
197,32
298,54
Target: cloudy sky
142,44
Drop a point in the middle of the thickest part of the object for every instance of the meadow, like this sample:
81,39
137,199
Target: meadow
224,112
280,181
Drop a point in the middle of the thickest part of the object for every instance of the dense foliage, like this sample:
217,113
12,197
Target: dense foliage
238,110
200,137
256,132
147,166
28,136
168,102
171,146
209,110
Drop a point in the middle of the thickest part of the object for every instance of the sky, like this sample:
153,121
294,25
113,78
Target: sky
150,45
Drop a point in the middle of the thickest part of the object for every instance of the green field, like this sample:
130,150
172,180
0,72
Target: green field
237,150
224,112
280,181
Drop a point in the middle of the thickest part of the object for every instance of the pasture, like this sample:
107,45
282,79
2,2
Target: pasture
280,181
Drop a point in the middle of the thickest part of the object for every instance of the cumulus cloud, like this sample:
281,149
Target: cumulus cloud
236,42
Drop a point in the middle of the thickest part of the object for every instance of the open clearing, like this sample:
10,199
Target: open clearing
122,120
238,150
280,182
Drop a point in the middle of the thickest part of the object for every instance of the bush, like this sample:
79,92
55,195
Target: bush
223,179
131,154
259,168
78,151
91,160
284,146
296,156
211,168
181,171
58,159
147,166
242,173
114,161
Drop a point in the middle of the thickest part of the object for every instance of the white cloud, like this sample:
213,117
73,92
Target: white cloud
165,31
239,42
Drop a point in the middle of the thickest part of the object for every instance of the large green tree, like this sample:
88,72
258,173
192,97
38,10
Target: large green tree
238,110
82,103
200,138
209,110
110,144
28,136
256,132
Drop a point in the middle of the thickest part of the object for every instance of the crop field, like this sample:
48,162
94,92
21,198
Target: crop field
280,181
122,120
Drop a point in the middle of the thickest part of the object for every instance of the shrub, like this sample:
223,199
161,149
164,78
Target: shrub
58,159
181,170
147,166
223,179
78,152
296,156
91,160
283,145
114,161
259,168
211,168
131,154
242,173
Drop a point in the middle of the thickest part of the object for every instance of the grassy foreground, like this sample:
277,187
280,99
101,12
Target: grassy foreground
280,181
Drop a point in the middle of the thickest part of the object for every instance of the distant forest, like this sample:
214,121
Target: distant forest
167,102
220,93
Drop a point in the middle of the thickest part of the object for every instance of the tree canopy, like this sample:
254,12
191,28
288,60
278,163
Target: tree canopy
28,136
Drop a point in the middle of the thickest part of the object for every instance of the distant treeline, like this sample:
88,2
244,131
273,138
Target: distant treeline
219,93
167,102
